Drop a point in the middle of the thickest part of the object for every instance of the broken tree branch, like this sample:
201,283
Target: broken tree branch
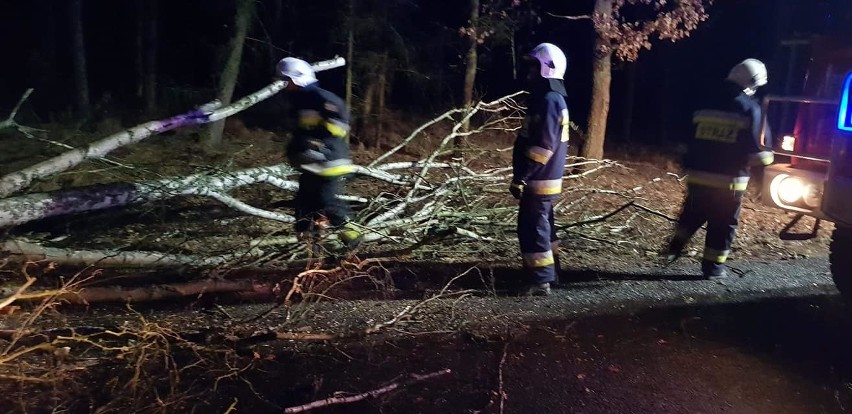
15,296
412,379
10,122
579,17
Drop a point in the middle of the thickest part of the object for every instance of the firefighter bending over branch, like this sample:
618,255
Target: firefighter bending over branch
726,145
320,151
538,162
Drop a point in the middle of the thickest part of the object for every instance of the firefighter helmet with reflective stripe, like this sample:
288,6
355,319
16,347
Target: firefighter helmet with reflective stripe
297,71
551,59
749,74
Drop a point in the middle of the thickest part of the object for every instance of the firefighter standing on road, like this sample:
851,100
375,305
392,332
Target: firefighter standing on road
725,147
320,151
538,162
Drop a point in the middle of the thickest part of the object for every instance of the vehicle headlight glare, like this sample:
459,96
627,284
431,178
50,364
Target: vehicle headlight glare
812,196
791,189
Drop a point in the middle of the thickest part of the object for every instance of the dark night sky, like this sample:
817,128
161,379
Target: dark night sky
672,77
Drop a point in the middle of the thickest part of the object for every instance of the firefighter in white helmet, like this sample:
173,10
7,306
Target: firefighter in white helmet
320,151
725,146
538,164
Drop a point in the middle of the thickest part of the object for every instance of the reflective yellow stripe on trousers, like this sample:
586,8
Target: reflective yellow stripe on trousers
542,259
331,168
761,158
716,256
545,187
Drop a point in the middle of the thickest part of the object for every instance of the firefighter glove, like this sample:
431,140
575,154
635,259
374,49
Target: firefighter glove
517,189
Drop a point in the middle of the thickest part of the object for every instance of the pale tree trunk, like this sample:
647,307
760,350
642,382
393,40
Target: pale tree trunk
231,71
78,53
23,251
601,80
514,52
38,206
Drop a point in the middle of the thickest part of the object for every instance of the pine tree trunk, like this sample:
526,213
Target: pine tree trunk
471,60
601,80
381,96
513,46
629,98
149,64
78,52
231,71
41,60
139,42
350,53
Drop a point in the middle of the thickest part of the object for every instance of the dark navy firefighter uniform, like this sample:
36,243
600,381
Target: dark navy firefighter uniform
538,162
320,151
725,147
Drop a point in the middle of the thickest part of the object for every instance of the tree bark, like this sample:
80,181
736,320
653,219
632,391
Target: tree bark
231,71
22,251
38,206
85,296
78,53
471,62
24,209
471,58
601,80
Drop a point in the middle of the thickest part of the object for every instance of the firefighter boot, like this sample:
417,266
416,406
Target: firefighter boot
351,236
537,289
713,270
554,247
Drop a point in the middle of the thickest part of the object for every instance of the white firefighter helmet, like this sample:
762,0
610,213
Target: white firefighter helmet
297,70
551,59
749,74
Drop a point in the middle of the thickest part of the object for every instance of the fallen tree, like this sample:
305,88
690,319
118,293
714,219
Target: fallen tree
419,202
151,293
38,206
207,113
24,251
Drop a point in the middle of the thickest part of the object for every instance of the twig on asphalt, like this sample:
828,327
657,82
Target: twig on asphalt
412,379
503,395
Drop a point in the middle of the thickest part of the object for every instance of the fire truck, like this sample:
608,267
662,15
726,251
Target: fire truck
812,142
